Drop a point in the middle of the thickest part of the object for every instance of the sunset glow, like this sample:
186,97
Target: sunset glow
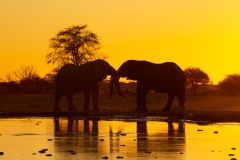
196,33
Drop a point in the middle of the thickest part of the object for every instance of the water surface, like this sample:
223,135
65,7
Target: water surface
146,138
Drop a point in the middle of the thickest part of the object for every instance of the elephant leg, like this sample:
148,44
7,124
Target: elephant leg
170,129
56,103
141,99
181,100
86,100
95,93
169,102
144,100
71,106
139,102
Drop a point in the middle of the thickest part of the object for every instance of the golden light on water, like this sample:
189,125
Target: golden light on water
23,138
216,141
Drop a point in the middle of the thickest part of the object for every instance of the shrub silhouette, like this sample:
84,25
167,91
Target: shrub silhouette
230,84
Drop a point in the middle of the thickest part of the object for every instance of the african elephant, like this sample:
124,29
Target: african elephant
73,79
166,77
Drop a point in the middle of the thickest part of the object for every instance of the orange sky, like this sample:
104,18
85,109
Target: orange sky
199,33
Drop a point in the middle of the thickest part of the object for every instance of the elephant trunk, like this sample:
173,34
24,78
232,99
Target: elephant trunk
115,81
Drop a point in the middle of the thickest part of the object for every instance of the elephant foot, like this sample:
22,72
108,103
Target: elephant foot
56,110
96,110
166,109
144,110
140,110
137,110
183,107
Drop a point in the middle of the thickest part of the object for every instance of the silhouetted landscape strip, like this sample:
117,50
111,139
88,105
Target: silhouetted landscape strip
210,116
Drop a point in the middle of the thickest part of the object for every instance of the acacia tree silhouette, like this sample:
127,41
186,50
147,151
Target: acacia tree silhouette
28,79
76,45
195,76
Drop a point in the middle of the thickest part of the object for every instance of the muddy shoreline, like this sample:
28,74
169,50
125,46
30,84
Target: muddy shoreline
198,108
203,116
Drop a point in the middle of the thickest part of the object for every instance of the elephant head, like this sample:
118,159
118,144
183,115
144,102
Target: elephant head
132,70
101,69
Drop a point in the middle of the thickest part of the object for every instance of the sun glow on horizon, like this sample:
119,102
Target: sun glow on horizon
197,33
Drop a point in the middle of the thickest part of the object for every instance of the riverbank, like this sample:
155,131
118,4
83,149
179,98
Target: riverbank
198,107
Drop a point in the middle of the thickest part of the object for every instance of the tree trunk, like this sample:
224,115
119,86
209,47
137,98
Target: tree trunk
194,87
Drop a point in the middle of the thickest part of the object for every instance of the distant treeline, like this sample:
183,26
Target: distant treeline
44,86
33,86
27,81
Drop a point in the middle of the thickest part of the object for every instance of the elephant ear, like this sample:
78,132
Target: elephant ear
99,71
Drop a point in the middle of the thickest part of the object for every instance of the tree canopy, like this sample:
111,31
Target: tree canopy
25,73
76,45
230,84
195,77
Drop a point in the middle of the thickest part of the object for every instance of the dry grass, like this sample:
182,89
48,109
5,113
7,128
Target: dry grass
44,103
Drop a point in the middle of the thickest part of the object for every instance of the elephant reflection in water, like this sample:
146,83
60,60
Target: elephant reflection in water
82,134
65,129
172,132
171,141
73,127
79,137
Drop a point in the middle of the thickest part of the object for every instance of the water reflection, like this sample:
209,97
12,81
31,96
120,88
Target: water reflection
170,140
94,139
119,137
74,126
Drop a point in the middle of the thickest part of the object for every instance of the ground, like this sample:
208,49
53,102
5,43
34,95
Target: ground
198,107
